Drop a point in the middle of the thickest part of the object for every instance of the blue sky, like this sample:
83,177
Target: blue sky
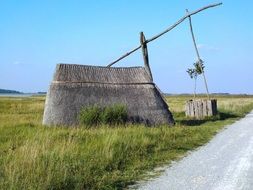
36,35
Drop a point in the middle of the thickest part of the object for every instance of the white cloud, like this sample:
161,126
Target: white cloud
208,47
16,63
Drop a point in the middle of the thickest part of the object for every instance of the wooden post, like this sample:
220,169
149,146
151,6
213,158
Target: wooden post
197,52
145,54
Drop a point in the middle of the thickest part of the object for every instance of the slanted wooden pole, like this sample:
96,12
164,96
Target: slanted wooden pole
165,31
197,52
123,56
145,54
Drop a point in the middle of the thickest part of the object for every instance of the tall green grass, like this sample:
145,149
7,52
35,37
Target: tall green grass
36,157
94,115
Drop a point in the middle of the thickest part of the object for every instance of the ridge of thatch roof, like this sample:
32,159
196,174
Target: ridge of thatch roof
99,74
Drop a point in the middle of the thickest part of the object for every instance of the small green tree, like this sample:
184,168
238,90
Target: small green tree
199,67
193,73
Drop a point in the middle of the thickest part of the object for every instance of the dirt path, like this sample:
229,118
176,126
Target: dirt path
225,163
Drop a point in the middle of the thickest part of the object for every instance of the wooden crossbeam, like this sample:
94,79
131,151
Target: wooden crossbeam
165,31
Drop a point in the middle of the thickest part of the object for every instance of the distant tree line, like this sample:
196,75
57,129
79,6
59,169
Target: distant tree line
9,91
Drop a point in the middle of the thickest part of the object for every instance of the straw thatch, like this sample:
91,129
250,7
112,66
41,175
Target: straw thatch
77,86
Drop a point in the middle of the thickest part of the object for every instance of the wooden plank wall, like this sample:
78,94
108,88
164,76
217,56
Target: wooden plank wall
201,108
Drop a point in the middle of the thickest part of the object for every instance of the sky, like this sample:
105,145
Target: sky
36,35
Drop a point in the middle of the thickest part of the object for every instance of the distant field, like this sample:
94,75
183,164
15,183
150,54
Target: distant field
110,157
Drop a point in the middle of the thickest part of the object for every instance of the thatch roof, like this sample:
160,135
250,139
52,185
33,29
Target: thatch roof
98,74
77,86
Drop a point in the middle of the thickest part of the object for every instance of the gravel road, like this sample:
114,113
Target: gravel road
225,163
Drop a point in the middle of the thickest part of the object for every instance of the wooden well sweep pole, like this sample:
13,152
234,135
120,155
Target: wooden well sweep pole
145,54
164,32
123,56
197,52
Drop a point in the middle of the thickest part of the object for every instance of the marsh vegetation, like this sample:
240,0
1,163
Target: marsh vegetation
36,157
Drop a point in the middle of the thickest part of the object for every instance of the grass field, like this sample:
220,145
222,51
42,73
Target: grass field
110,157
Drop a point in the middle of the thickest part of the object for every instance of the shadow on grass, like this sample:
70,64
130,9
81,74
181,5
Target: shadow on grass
224,115
196,122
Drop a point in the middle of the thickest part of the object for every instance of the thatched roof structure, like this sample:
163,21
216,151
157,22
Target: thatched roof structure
77,86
